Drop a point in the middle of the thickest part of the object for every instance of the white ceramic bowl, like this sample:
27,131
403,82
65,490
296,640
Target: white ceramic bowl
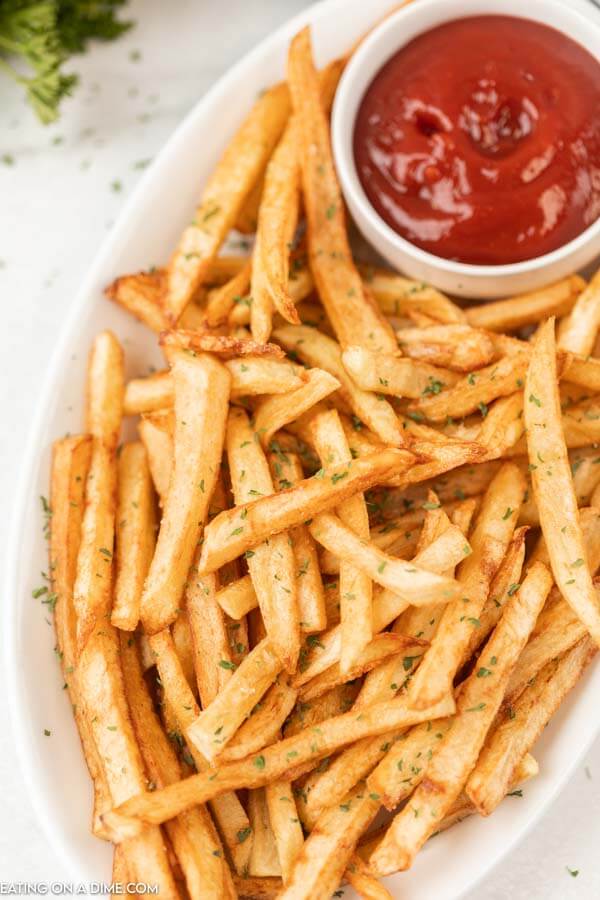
53,766
455,278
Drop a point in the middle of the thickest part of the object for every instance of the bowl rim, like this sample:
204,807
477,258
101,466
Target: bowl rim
353,85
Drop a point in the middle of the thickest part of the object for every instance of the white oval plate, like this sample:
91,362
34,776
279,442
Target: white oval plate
145,234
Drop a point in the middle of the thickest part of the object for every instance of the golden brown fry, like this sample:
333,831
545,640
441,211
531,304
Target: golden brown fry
527,309
503,426
92,588
364,882
398,296
192,834
415,584
223,196
249,377
490,538
136,534
101,692
271,563
257,888
356,589
141,295
248,215
236,530
477,390
70,465
553,485
459,348
273,413
262,727
577,332
227,809
264,861
238,597
316,349
157,438
201,401
395,375
271,764
221,300
228,346
285,824
516,733
212,658
286,471
458,750
218,723
353,314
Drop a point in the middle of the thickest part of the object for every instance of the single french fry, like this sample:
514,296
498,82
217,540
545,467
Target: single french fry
262,727
415,584
201,401
285,824
212,730
221,300
92,588
354,316
157,438
184,647
398,296
527,309
227,809
503,425
141,295
577,332
364,882
275,412
395,375
477,390
223,197
517,732
286,471
273,763
70,465
356,589
489,541
192,834
271,564
225,346
264,861
249,377
316,349
552,483
326,852
135,534
238,597
210,641
101,693
457,347
458,750
234,531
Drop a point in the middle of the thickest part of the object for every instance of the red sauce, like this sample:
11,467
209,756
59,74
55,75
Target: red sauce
479,141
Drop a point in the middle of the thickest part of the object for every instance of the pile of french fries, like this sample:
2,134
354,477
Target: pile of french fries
348,564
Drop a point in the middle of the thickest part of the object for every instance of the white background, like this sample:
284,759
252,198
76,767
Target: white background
61,188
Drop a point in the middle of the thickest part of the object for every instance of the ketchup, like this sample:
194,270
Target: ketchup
479,141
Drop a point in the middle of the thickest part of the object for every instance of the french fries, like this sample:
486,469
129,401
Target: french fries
223,197
201,397
329,590
552,483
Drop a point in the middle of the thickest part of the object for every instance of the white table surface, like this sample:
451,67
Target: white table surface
58,198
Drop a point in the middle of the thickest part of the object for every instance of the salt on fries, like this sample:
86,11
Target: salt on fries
262,605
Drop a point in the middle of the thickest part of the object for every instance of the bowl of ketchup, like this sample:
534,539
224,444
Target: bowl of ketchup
467,141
